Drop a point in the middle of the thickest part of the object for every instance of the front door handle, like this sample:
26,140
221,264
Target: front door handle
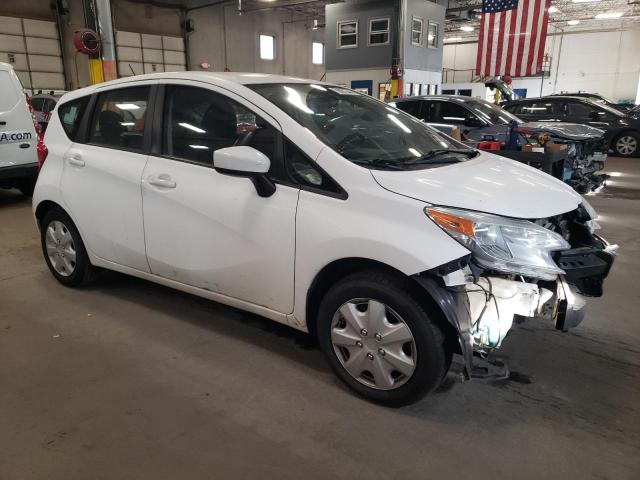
163,181
75,159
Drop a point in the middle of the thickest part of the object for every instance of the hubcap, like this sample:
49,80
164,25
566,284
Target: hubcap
60,248
373,344
626,145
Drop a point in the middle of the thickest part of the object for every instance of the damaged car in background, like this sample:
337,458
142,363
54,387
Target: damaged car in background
571,152
393,244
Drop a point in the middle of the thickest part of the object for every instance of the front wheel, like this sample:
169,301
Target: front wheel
627,144
380,341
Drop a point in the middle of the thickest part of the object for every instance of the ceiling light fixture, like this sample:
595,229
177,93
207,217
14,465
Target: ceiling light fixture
467,28
552,9
573,22
584,1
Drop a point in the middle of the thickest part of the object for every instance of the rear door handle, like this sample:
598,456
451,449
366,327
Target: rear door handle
163,181
75,159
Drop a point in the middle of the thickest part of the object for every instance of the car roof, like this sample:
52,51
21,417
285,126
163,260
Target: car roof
215,78
551,97
459,98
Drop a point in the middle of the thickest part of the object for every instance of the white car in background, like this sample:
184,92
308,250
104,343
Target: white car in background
19,135
318,207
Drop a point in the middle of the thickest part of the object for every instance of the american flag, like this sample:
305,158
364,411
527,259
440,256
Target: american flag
512,37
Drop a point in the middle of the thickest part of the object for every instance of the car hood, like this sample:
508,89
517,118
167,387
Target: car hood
487,183
568,131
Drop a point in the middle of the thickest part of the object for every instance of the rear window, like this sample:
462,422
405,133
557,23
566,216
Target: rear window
70,115
9,96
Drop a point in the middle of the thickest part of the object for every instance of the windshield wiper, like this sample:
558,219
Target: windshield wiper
379,163
436,156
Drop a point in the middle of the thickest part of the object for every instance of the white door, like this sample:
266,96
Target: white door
211,230
101,178
18,136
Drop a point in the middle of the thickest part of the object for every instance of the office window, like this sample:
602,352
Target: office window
348,34
416,31
379,31
317,53
267,47
432,35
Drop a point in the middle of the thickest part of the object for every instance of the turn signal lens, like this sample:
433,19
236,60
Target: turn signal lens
451,222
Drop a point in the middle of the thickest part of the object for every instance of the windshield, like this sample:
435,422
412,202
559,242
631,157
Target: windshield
358,127
491,113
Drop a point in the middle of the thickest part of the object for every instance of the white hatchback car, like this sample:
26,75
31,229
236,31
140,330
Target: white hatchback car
320,208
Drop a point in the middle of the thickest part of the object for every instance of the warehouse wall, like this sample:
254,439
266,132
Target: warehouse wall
224,39
604,62
135,17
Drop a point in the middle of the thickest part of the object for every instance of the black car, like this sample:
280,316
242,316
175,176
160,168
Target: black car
479,120
596,97
622,130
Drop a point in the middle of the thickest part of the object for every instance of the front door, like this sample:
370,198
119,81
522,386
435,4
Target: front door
211,230
101,176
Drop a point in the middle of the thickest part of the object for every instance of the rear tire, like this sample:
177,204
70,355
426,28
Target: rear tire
398,355
627,144
63,249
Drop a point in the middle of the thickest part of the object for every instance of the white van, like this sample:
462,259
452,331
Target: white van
321,208
18,135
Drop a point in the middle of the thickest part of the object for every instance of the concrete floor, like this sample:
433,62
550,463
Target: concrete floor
129,380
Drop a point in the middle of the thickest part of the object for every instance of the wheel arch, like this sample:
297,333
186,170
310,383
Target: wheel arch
338,269
45,206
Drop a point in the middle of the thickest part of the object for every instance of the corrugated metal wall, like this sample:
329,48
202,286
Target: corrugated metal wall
33,48
143,53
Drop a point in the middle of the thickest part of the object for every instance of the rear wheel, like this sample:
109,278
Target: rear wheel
627,144
379,340
63,249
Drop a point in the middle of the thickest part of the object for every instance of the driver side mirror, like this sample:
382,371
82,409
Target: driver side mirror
243,161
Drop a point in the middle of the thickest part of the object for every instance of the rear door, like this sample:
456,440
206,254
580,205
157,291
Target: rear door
18,136
585,113
102,173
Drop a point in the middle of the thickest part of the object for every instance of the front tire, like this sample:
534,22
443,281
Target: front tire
627,144
379,340
64,250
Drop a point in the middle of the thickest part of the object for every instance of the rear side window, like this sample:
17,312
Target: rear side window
70,115
538,108
9,96
410,107
118,120
199,122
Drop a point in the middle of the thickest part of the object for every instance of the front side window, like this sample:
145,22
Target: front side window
198,122
416,31
379,31
358,127
432,35
267,47
449,112
348,34
70,115
119,118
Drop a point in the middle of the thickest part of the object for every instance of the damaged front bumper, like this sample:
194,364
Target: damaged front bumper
482,306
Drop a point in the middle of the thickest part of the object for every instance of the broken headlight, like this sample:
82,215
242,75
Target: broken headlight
507,245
